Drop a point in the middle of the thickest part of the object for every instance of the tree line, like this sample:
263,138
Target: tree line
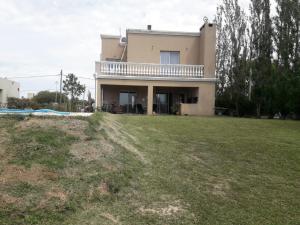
69,99
258,58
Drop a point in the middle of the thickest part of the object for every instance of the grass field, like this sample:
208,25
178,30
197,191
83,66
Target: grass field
117,169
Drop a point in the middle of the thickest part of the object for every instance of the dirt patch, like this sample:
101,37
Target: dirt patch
6,199
35,174
109,166
197,159
70,126
219,187
169,210
91,150
4,137
103,188
55,193
110,218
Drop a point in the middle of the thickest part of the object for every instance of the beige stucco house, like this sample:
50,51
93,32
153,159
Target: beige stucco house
158,72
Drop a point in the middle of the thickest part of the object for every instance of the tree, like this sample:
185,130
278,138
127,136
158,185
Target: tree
261,53
231,53
222,52
47,97
287,42
72,87
287,36
247,67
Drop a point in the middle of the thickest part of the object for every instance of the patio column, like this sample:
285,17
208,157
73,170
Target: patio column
150,100
98,97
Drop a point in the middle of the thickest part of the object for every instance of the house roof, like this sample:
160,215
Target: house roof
107,36
158,32
161,32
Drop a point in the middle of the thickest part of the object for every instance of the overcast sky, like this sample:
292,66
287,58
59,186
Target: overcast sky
40,37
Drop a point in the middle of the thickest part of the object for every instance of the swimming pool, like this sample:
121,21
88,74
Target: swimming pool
31,111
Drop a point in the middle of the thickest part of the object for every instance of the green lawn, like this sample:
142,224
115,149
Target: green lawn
117,169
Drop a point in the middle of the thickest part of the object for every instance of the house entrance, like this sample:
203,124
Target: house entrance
128,102
162,103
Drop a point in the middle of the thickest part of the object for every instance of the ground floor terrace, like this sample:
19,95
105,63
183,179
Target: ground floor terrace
149,97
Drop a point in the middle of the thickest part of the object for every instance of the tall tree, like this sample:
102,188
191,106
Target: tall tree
263,65
287,22
287,42
261,52
231,51
222,52
72,87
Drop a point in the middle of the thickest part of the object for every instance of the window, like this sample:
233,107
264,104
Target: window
124,99
169,57
127,101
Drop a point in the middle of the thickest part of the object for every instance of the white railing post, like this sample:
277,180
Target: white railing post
150,70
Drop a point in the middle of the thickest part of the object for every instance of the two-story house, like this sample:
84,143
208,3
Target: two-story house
159,72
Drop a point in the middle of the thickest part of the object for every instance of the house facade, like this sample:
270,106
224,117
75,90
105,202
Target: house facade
158,72
8,88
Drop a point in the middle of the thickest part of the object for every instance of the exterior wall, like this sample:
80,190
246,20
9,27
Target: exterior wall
145,48
111,48
207,51
206,102
188,109
206,93
8,89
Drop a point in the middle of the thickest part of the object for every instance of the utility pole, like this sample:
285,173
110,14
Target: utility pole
61,75
56,83
83,97
95,76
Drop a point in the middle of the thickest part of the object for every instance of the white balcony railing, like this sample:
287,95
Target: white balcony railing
149,70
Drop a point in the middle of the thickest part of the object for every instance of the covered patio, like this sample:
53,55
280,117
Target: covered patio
168,100
135,99
124,99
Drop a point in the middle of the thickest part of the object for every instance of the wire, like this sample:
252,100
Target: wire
87,78
93,79
35,76
32,76
50,89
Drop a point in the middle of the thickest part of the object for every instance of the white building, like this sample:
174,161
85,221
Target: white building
8,88
30,95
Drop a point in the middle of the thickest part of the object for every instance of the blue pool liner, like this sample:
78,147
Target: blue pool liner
29,111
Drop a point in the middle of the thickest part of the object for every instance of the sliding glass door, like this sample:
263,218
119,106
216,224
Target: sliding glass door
127,101
162,103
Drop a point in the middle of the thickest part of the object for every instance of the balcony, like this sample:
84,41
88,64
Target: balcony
126,70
